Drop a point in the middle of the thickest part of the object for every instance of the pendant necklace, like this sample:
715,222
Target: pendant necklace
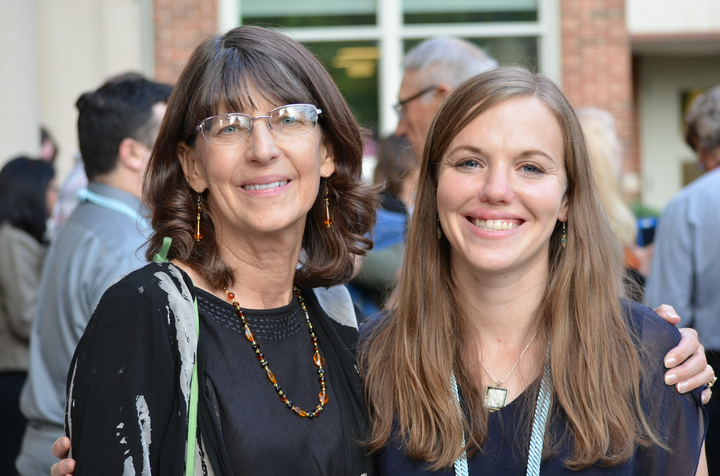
317,359
542,407
496,397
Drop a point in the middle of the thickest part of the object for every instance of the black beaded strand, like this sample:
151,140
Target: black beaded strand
323,398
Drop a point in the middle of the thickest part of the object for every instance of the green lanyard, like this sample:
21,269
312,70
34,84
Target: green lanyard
161,257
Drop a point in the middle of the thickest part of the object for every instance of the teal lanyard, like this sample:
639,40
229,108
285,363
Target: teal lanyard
85,195
542,407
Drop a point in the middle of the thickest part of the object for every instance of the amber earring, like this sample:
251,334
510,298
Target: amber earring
439,230
198,235
328,218
563,240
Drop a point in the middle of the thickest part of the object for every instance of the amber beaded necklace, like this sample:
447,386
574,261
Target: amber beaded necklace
317,358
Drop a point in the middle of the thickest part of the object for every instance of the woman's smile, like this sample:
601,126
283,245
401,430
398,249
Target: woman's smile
485,221
267,186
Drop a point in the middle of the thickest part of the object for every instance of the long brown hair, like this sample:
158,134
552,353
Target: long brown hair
284,72
408,358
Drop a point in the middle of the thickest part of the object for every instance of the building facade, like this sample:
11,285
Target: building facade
642,60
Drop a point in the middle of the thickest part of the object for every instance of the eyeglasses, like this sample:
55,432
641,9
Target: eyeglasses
400,105
235,127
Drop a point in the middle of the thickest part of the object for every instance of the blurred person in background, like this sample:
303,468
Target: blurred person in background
76,180
433,69
68,199
117,126
27,193
606,158
48,146
685,270
397,170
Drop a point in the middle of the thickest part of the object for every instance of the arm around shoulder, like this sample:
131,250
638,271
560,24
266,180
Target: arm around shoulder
679,420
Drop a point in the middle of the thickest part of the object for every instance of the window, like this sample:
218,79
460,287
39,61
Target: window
361,42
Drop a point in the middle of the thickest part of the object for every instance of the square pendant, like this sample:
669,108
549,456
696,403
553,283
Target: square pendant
495,397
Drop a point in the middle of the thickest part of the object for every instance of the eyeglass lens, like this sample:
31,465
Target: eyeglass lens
290,120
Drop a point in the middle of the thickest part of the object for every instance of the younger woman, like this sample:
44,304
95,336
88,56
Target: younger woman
510,344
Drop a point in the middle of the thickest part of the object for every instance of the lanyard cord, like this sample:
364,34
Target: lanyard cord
461,465
193,442
85,195
542,407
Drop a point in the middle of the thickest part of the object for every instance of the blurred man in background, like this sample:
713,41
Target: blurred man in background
117,127
686,265
433,69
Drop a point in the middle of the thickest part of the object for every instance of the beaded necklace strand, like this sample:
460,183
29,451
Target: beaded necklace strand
323,398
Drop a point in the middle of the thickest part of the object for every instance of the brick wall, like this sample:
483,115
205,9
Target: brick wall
180,25
597,65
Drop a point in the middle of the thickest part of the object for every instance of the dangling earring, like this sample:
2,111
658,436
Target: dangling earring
563,240
439,230
198,235
328,218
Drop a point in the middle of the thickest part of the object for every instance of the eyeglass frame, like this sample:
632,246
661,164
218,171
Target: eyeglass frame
200,128
400,104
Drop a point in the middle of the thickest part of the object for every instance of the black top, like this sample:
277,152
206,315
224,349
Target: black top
252,417
129,387
680,419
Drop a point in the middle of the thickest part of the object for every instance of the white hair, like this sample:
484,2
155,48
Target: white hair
447,60
703,120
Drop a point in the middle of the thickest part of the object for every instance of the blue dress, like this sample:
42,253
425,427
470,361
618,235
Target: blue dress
679,419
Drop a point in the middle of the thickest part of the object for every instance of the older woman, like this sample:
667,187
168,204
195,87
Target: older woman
219,357
524,358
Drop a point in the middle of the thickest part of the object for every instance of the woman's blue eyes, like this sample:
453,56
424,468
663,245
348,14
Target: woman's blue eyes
469,164
526,168
229,130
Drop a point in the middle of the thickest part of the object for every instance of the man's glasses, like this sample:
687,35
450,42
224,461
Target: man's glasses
235,127
400,105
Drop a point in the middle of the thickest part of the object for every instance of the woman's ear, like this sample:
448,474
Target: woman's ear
327,159
564,209
191,165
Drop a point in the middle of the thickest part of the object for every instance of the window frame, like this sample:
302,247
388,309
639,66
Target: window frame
390,32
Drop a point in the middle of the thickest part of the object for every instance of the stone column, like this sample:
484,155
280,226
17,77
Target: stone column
19,111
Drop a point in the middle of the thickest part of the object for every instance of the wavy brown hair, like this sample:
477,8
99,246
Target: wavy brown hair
408,358
284,72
